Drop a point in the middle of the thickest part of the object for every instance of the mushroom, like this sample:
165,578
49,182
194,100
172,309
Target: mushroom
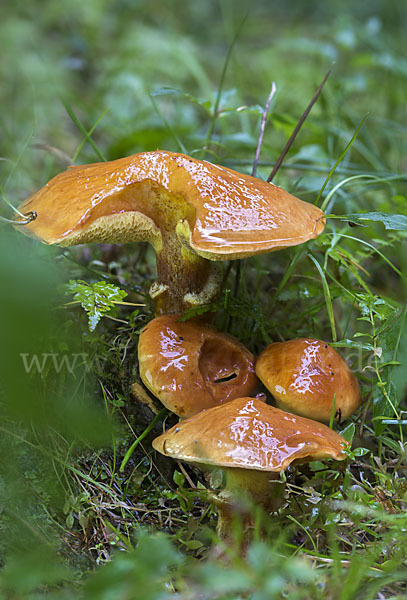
193,212
253,442
306,377
190,366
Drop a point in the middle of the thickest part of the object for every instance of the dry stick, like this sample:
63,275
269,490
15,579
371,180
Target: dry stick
254,170
298,127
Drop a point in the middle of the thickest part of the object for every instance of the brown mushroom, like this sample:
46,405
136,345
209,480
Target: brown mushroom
253,442
190,366
189,210
306,376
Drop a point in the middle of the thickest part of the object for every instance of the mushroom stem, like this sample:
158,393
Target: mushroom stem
245,488
184,279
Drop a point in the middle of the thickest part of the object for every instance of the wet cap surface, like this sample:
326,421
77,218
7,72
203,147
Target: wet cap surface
230,215
190,366
247,433
305,375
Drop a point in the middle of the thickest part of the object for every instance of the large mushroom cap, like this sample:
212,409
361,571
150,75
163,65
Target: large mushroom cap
220,213
190,366
247,433
305,376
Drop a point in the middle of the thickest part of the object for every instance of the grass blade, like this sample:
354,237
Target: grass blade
327,294
168,126
263,127
82,129
342,156
220,88
297,128
141,437
87,137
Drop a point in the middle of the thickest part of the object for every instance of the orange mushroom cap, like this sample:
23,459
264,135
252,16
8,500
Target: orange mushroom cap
190,366
305,376
249,434
219,213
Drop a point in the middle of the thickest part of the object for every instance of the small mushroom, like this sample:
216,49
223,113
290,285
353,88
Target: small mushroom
193,212
190,366
253,442
306,376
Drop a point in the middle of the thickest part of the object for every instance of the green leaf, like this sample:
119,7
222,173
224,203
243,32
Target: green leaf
179,479
96,298
348,432
392,222
69,521
360,451
346,343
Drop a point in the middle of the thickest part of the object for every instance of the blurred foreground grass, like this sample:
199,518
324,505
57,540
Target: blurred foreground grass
143,76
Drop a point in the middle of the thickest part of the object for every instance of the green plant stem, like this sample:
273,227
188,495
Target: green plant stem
141,437
327,295
220,88
342,156
82,129
381,384
297,128
168,126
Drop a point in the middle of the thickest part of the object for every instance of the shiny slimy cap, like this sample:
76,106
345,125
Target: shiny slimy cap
190,366
219,213
305,375
246,433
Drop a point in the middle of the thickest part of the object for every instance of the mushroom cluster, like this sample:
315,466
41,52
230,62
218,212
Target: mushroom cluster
195,214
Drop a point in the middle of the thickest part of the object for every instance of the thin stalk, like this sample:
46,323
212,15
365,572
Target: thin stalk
254,170
220,88
349,170
342,156
351,237
381,384
31,216
297,128
82,129
15,164
88,134
345,181
141,437
327,294
287,274
263,127
168,126
7,201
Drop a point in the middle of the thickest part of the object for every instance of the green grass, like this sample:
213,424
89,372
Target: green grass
91,82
